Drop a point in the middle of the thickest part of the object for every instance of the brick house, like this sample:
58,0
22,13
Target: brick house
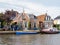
44,21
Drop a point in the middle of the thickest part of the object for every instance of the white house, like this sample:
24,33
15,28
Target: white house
57,20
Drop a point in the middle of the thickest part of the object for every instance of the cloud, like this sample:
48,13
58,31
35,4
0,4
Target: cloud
31,7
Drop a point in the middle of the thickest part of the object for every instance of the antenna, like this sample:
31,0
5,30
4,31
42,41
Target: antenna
46,12
23,11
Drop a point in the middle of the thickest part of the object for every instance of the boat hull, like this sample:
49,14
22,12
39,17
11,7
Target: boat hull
49,32
18,33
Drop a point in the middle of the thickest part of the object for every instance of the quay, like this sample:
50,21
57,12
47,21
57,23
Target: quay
22,32
14,32
7,32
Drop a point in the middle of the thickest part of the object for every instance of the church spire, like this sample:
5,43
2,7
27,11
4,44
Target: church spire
23,11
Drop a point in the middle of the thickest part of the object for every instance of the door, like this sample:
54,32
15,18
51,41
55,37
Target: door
41,25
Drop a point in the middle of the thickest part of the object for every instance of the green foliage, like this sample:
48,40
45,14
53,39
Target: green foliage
2,19
1,14
4,22
29,24
57,26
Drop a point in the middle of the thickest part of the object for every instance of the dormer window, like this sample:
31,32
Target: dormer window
23,18
48,18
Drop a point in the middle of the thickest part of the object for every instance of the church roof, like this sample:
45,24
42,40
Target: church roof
41,17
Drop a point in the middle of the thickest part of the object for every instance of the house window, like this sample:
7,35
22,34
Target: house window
48,18
46,25
25,24
21,24
34,24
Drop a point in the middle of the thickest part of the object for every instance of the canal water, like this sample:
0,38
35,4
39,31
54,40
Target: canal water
37,39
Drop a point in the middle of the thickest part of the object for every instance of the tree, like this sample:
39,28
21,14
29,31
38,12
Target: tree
2,20
29,25
1,16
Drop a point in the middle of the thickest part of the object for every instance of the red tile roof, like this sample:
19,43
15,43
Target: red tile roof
41,17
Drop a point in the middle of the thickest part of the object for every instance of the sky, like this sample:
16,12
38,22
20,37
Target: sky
37,7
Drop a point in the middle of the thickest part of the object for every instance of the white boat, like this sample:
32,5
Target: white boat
50,31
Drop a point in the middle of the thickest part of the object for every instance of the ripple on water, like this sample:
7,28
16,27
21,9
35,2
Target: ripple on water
38,39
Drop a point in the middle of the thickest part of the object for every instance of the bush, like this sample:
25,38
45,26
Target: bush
57,26
29,25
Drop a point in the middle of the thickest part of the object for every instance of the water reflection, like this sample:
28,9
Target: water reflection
6,40
38,39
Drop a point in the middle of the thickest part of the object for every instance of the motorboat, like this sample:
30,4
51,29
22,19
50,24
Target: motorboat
49,31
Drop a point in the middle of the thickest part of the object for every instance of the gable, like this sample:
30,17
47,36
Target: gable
41,18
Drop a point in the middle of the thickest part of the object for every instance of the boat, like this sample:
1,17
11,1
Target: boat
26,32
49,31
